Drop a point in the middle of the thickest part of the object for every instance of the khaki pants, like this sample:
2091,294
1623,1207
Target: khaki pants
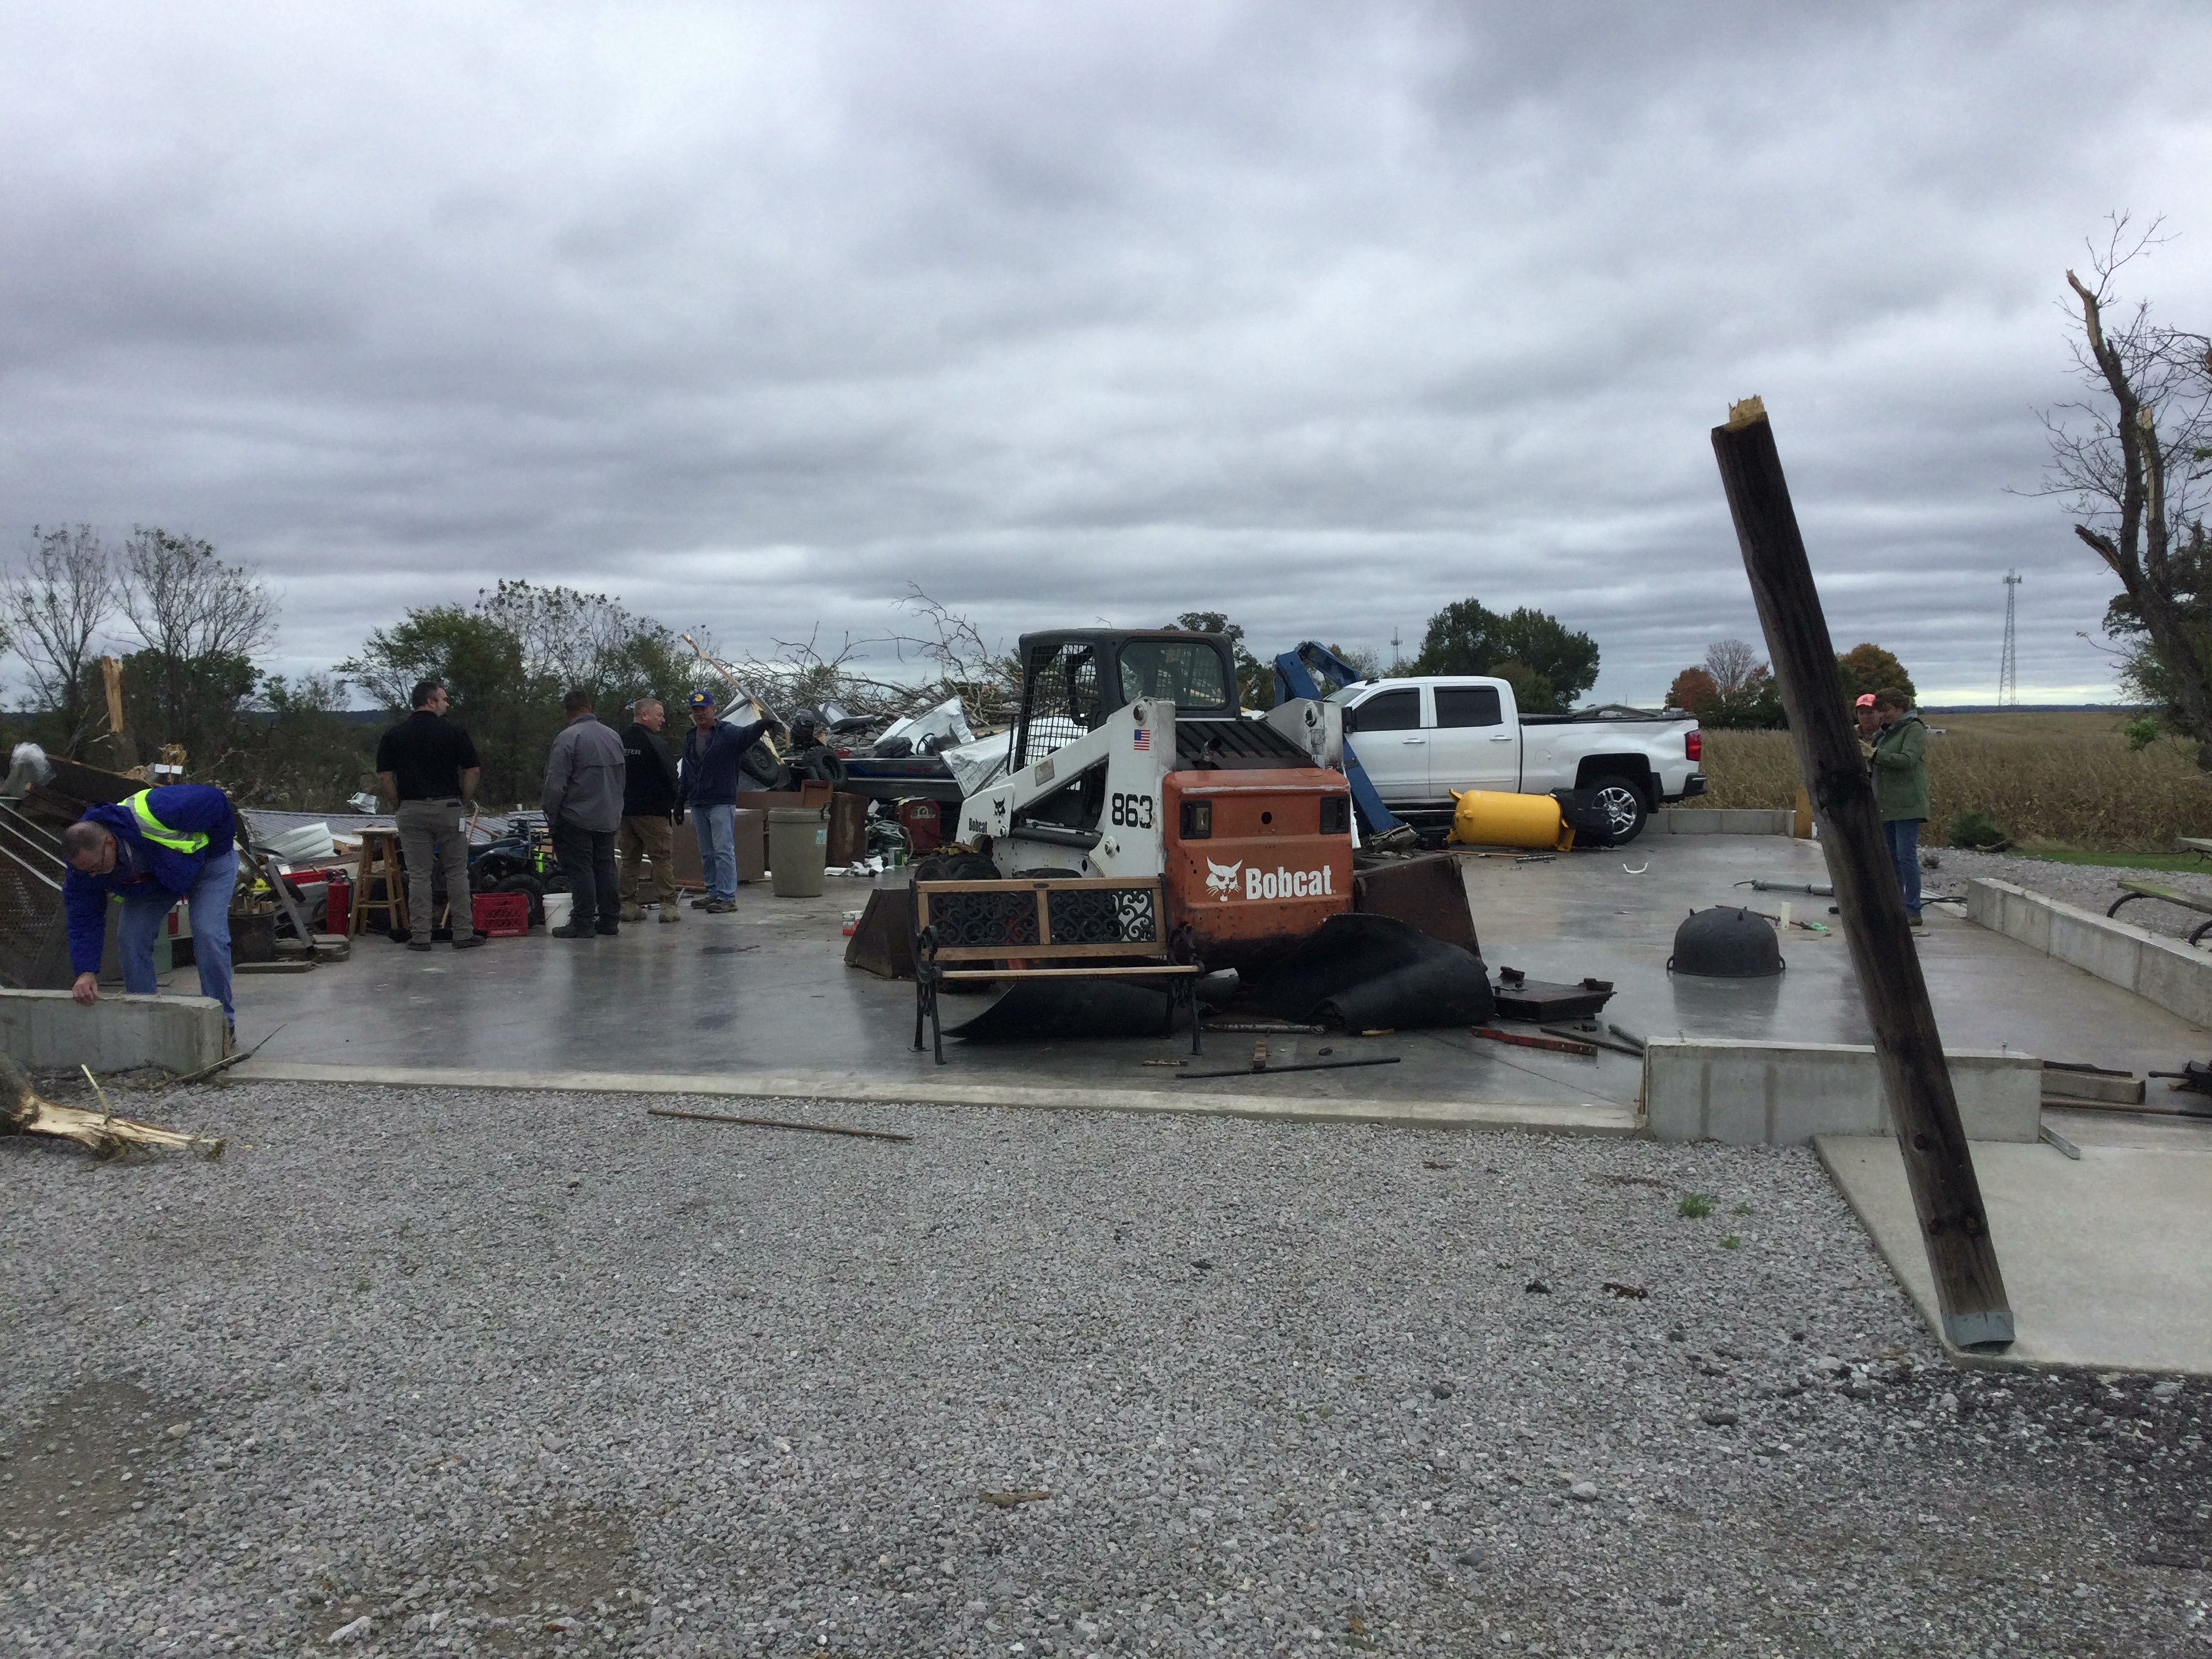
425,826
648,838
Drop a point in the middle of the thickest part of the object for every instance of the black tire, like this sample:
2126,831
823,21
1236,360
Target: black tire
955,866
532,885
1622,804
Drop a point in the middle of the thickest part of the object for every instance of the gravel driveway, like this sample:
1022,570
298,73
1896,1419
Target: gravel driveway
414,1371
2093,887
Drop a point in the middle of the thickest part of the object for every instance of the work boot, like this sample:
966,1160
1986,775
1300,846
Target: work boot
610,928
670,913
573,930
470,943
1912,920
418,943
633,913
720,906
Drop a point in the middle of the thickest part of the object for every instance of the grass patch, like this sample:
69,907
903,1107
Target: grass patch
2064,780
1731,1243
2110,861
1740,1209
1694,1205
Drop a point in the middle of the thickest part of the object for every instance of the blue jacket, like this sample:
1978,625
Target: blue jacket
710,764
142,867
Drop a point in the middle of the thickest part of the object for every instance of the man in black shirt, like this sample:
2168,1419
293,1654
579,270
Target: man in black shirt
428,768
650,812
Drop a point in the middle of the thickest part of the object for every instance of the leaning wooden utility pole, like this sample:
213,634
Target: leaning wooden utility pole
1938,1166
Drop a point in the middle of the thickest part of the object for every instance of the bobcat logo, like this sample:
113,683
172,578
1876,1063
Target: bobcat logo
1223,882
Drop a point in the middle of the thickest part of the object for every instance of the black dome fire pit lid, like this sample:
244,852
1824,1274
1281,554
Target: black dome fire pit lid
1726,944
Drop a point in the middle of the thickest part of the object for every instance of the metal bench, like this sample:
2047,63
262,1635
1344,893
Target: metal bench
2133,891
1088,927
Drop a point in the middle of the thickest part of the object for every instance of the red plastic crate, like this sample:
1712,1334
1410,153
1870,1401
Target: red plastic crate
500,915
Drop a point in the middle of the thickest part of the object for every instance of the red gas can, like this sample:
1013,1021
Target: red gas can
924,828
338,904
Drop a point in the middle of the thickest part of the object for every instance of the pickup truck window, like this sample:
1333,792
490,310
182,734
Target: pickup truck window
1468,705
1386,711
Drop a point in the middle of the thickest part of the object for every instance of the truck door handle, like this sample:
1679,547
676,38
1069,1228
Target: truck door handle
1415,740
1501,736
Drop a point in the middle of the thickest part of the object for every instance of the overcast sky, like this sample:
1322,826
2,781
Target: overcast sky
1323,316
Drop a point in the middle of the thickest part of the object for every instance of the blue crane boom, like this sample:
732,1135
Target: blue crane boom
1295,673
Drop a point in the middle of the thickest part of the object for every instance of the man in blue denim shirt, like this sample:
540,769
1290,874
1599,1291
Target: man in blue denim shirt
712,749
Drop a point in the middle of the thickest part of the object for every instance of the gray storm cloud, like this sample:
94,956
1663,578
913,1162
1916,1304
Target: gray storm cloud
1322,316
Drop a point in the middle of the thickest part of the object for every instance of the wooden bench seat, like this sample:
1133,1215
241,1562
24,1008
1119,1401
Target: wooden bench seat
1047,927
2132,890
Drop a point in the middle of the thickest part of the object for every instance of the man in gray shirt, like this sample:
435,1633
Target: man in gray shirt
583,803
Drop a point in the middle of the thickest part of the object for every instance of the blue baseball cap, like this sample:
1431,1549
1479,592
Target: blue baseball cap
701,700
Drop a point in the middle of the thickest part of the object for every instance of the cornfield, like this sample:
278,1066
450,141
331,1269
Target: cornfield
2067,779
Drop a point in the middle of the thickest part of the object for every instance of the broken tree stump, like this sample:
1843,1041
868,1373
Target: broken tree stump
24,1111
1939,1168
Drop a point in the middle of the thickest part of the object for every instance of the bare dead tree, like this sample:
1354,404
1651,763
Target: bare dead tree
1731,662
2132,462
54,607
203,622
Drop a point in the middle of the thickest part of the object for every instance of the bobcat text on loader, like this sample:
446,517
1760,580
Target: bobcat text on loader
1130,758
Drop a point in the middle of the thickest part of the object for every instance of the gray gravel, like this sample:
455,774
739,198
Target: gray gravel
446,1372
2093,887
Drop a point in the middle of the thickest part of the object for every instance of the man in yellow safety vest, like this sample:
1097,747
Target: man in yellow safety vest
180,842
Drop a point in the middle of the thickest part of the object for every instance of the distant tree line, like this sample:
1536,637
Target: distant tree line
1733,689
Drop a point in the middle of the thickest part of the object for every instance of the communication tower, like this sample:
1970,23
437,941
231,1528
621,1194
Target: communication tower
2009,670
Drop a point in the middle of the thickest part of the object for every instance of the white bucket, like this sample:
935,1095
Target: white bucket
558,908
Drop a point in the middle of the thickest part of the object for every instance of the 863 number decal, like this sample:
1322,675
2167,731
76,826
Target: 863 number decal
1132,811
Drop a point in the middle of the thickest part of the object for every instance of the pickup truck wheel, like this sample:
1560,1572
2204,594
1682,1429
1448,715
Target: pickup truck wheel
1622,803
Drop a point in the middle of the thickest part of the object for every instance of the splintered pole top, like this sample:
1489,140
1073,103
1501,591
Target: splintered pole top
1749,412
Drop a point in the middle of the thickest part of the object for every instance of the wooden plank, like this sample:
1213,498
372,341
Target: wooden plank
1044,952
1068,973
1038,883
2170,895
1939,1166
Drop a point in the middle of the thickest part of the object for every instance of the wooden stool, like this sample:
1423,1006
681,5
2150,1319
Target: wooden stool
380,861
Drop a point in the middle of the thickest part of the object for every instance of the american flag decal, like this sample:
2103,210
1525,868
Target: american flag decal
1143,739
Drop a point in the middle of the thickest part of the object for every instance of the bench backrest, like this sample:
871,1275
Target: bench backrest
1061,916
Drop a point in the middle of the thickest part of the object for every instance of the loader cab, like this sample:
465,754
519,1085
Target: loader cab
1071,681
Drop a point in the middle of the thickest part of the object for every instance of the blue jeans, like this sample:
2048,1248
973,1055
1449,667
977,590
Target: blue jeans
1903,835
716,828
209,898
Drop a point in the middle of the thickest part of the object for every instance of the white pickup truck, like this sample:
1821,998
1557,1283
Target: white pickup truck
1419,739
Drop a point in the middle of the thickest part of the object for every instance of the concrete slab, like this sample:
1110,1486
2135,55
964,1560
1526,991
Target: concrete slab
1538,1117
49,1030
764,994
2169,973
1751,1094
2103,1259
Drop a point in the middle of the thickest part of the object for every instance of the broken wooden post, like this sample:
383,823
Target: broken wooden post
1970,1291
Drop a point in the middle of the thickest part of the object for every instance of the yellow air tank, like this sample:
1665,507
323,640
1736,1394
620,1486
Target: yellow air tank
1490,818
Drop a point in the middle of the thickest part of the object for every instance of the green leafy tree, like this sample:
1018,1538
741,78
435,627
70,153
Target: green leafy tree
1869,668
1466,637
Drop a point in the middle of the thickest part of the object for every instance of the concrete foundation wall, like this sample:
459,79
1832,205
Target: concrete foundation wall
46,1030
1722,821
1773,1094
2176,977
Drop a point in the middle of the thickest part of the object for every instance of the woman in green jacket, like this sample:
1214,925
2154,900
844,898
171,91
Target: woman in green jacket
1899,763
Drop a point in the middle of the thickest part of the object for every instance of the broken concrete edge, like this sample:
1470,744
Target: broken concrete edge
51,1032
1748,1093
1918,1284
2168,972
1600,1119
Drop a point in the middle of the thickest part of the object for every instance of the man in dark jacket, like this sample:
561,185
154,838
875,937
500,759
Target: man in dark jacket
712,749
583,803
650,812
154,848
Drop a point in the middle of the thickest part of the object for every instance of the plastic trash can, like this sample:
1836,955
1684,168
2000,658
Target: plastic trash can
797,847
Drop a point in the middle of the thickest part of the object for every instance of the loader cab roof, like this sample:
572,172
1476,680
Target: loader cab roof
1118,666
